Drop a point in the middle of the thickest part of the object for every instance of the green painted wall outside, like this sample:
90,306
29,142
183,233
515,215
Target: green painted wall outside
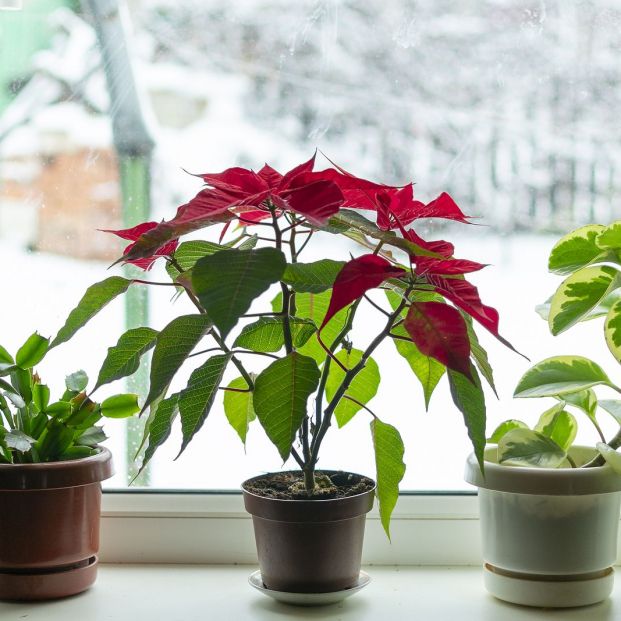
22,33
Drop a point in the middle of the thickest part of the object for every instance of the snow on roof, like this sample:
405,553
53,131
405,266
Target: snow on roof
57,128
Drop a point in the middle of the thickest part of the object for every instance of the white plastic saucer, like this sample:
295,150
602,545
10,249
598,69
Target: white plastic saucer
308,599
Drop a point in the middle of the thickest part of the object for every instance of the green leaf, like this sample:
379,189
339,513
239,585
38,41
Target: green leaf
32,351
37,424
160,426
77,381
267,334
469,398
586,400
5,357
579,294
174,344
120,406
280,395
189,252
389,450
22,381
123,359
314,306
96,297
228,281
60,410
249,242
613,407
612,330
54,441
428,370
363,387
558,425
239,408
196,399
480,358
523,447
612,457
610,237
77,452
18,440
504,428
15,399
601,310
40,396
91,437
575,250
560,375
312,277
6,368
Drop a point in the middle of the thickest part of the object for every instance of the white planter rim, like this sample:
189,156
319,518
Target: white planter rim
543,481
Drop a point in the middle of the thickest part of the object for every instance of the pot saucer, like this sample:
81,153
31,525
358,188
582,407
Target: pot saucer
308,599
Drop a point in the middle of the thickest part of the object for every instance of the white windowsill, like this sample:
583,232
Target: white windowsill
219,593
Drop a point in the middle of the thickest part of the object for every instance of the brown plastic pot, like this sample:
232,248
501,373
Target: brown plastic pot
49,526
309,546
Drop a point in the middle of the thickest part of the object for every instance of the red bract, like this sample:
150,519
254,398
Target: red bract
439,331
356,278
134,234
396,207
466,296
300,190
442,207
242,193
440,246
428,265
358,193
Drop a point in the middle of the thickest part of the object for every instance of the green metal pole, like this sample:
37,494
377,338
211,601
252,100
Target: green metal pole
134,146
135,181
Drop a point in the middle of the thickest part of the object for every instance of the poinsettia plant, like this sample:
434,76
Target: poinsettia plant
590,259
269,219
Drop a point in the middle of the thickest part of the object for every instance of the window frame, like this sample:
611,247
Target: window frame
145,526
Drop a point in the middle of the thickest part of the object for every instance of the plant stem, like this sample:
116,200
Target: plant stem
297,458
362,405
256,353
286,293
326,367
376,306
347,380
614,443
572,463
203,351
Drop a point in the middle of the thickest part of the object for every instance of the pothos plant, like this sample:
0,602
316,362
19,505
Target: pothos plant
590,259
306,333
34,427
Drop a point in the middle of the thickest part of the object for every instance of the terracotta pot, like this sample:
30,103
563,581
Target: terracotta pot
549,535
49,526
309,546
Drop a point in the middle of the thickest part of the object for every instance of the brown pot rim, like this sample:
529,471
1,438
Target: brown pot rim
57,474
293,510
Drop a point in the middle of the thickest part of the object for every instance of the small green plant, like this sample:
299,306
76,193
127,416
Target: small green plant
34,427
590,260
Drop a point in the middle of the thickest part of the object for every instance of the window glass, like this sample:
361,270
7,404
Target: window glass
509,106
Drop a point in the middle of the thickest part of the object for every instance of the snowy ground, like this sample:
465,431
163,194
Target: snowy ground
41,289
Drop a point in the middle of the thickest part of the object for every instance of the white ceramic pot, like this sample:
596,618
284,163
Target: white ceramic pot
549,535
